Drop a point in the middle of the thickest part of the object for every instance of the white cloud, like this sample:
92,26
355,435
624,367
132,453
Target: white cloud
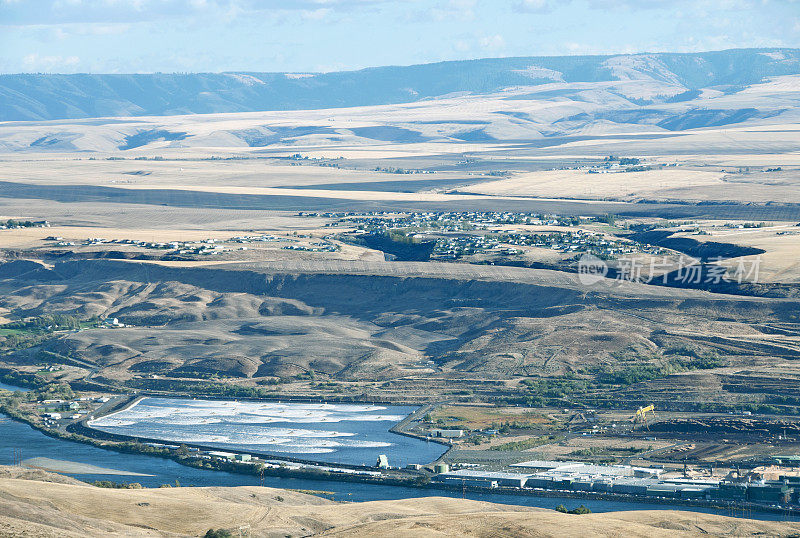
33,12
69,30
706,5
461,45
189,35
531,6
316,14
36,62
493,43
454,9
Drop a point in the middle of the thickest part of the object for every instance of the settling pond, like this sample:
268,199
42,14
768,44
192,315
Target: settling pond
331,433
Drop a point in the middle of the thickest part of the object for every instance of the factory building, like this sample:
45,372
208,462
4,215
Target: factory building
730,491
220,455
769,493
447,434
587,469
624,480
633,486
482,478
665,490
695,492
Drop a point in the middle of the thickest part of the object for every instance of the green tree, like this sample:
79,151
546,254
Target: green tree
218,533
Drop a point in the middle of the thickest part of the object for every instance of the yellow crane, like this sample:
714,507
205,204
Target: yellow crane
641,415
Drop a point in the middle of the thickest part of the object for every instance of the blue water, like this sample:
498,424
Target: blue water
12,387
331,433
23,440
32,443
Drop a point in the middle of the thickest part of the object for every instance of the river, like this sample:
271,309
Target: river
18,439
4,386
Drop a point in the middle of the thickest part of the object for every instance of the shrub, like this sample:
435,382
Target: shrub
577,511
218,533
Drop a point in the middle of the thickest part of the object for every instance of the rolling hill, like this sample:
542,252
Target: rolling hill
36,97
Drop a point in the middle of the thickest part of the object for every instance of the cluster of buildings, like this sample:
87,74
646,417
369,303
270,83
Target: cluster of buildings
464,241
205,246
615,165
314,246
395,170
505,243
453,247
625,480
54,410
113,323
579,241
453,221
261,238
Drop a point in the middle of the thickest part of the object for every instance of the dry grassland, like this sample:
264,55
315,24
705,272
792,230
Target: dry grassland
479,417
780,263
580,184
48,509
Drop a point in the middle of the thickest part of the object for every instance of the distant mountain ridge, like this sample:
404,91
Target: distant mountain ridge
36,97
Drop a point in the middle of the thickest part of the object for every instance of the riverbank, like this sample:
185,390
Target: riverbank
353,488
415,482
285,467
71,467
400,427
17,437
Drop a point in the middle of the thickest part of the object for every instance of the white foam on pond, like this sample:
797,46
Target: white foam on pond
350,430
190,412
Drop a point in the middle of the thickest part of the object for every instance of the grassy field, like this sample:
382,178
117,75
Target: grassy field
580,184
480,418
779,240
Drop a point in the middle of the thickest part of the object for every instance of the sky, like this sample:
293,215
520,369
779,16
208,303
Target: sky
144,36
